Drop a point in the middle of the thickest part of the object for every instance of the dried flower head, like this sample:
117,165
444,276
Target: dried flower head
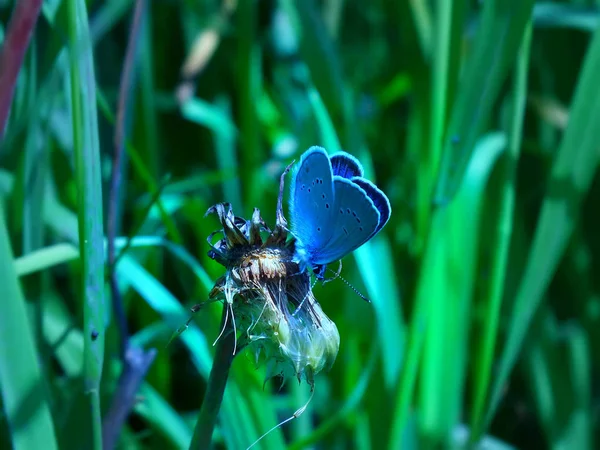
271,305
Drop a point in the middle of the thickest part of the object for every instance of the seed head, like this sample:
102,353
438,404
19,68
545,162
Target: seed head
273,307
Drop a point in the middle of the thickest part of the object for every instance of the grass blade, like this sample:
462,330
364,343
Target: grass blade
89,212
452,246
163,302
156,411
446,344
555,14
448,21
497,43
23,396
502,239
572,173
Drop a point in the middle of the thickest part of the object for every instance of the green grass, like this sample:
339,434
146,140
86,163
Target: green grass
88,184
24,396
483,325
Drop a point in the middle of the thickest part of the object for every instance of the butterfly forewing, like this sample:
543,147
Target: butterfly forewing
355,219
312,200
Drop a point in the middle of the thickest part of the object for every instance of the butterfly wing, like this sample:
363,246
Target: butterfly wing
379,199
345,165
311,201
355,220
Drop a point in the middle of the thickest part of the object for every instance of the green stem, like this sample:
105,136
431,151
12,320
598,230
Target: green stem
423,23
248,84
503,237
86,148
439,98
94,396
217,380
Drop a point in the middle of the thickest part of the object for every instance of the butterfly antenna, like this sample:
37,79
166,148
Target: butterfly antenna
356,291
297,414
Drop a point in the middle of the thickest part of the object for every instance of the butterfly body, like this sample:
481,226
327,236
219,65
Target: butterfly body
333,208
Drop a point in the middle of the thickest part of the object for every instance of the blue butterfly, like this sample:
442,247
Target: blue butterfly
333,209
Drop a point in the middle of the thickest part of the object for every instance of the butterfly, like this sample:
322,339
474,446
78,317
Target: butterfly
333,209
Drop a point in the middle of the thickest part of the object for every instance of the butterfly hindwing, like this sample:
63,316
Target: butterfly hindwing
379,199
345,165
355,220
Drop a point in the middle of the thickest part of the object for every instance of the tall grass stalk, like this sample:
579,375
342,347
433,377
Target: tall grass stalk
496,44
502,238
439,98
89,207
576,161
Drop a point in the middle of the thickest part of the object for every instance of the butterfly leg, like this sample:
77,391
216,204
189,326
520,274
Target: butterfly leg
281,222
335,274
319,271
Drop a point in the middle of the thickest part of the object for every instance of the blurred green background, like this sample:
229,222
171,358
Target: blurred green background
480,121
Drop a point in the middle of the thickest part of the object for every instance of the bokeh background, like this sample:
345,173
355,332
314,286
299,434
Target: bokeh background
481,122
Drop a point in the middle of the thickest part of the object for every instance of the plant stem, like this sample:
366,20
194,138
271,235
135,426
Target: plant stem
136,363
12,52
113,221
215,389
86,149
